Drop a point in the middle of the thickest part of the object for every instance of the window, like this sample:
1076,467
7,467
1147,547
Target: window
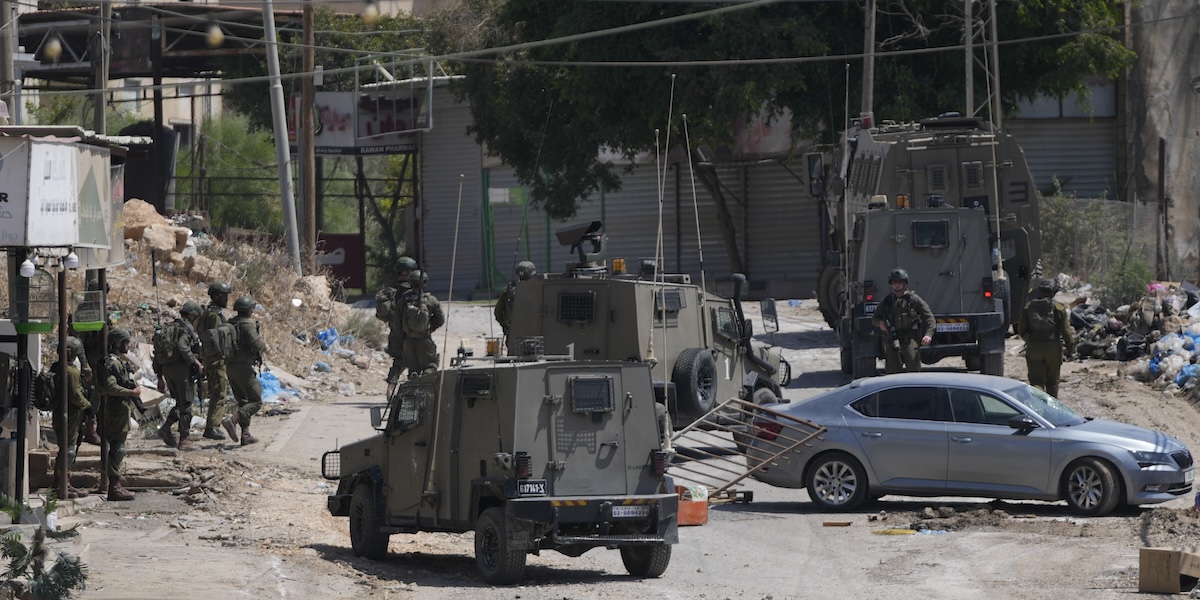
474,386
931,234
937,178
577,307
973,175
591,394
727,323
667,304
970,406
410,406
912,403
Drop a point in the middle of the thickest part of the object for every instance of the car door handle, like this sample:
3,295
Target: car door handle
872,434
614,444
961,440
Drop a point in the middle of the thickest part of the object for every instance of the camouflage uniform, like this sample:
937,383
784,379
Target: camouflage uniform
242,376
180,377
394,293
913,320
420,351
214,373
77,403
504,304
118,387
1044,350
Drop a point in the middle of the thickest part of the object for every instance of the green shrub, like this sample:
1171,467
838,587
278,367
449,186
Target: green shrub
366,329
1126,283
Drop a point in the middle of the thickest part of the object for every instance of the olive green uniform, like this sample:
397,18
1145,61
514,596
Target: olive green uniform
1044,357
179,373
117,387
394,293
242,376
503,312
214,370
420,351
77,403
911,317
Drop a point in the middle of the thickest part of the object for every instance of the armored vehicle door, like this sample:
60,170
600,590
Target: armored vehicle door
584,427
578,315
930,246
408,439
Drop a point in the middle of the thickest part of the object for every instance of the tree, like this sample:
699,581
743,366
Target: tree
548,114
30,571
240,185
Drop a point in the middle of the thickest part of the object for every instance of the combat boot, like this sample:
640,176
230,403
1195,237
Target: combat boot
89,432
230,424
185,444
247,438
213,433
117,492
165,433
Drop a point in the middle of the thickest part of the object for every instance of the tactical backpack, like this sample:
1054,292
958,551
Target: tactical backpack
1041,317
166,351
45,390
385,304
416,316
220,342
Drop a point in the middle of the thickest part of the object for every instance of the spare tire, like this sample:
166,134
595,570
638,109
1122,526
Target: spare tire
695,379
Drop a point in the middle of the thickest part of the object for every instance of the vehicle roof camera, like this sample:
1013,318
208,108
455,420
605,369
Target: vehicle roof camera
575,237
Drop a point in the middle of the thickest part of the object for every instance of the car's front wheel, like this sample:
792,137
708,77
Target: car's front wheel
837,482
1091,488
366,538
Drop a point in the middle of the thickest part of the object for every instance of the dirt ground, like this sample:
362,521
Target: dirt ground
251,521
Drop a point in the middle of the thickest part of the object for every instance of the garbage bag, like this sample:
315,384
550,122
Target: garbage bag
1187,372
327,337
270,383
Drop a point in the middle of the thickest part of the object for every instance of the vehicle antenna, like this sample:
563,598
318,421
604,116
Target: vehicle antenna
695,209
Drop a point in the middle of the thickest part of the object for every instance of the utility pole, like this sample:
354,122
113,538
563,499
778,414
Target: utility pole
282,154
968,44
306,148
7,67
100,57
868,92
997,107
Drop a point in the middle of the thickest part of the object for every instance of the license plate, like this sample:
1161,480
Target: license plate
635,511
531,487
953,327
869,309
1189,476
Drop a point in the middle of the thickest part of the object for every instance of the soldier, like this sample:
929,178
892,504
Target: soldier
214,361
120,392
504,304
905,320
1048,336
242,376
77,403
421,316
91,362
386,303
177,365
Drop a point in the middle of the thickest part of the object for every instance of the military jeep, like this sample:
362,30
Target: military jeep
531,454
700,345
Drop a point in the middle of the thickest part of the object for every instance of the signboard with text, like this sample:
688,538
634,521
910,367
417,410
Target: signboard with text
375,120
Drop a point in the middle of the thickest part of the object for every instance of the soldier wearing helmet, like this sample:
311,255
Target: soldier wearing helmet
121,392
420,316
77,403
177,363
387,302
504,304
247,391
91,360
1048,336
906,321
214,361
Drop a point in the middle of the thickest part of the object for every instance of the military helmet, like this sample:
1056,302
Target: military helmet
244,305
190,308
219,287
525,269
417,278
74,346
405,263
118,335
898,275
1047,285
94,285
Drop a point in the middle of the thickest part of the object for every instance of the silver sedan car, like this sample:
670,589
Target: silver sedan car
958,434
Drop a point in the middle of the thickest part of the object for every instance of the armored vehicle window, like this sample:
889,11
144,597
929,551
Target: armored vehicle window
474,386
727,323
410,406
937,178
577,307
873,176
931,234
973,175
667,304
591,394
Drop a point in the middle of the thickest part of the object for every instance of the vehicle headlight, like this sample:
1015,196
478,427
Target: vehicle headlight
1147,459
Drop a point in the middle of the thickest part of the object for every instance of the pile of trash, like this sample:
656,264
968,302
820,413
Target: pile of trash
1158,333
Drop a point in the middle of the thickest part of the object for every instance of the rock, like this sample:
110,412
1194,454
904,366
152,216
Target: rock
945,512
207,269
361,361
139,215
313,289
160,237
182,234
928,513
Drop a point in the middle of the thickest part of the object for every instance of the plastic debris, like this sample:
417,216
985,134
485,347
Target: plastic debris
322,367
327,337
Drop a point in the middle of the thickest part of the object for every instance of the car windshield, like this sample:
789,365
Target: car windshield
1048,407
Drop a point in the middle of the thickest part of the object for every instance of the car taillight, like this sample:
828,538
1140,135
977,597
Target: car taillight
660,458
767,430
987,287
869,290
523,465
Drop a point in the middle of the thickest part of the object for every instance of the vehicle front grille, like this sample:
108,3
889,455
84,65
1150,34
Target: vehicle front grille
1183,459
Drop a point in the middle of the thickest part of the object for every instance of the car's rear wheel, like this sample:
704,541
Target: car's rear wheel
695,379
648,560
1091,487
498,562
366,539
837,482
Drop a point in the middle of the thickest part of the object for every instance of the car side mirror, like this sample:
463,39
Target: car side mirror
770,318
377,417
1023,422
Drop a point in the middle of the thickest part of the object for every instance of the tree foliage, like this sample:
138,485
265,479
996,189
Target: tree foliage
548,115
240,179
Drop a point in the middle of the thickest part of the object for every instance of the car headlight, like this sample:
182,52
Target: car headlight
1147,459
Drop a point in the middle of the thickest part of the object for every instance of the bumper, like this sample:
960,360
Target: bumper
1159,484
592,521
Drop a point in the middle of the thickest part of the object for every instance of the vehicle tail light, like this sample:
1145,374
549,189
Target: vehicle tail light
902,201
660,459
987,287
767,430
869,290
523,465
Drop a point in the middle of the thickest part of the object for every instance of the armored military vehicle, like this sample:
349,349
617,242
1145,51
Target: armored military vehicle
700,345
951,201
532,454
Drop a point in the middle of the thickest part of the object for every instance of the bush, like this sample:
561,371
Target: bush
1126,283
366,329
